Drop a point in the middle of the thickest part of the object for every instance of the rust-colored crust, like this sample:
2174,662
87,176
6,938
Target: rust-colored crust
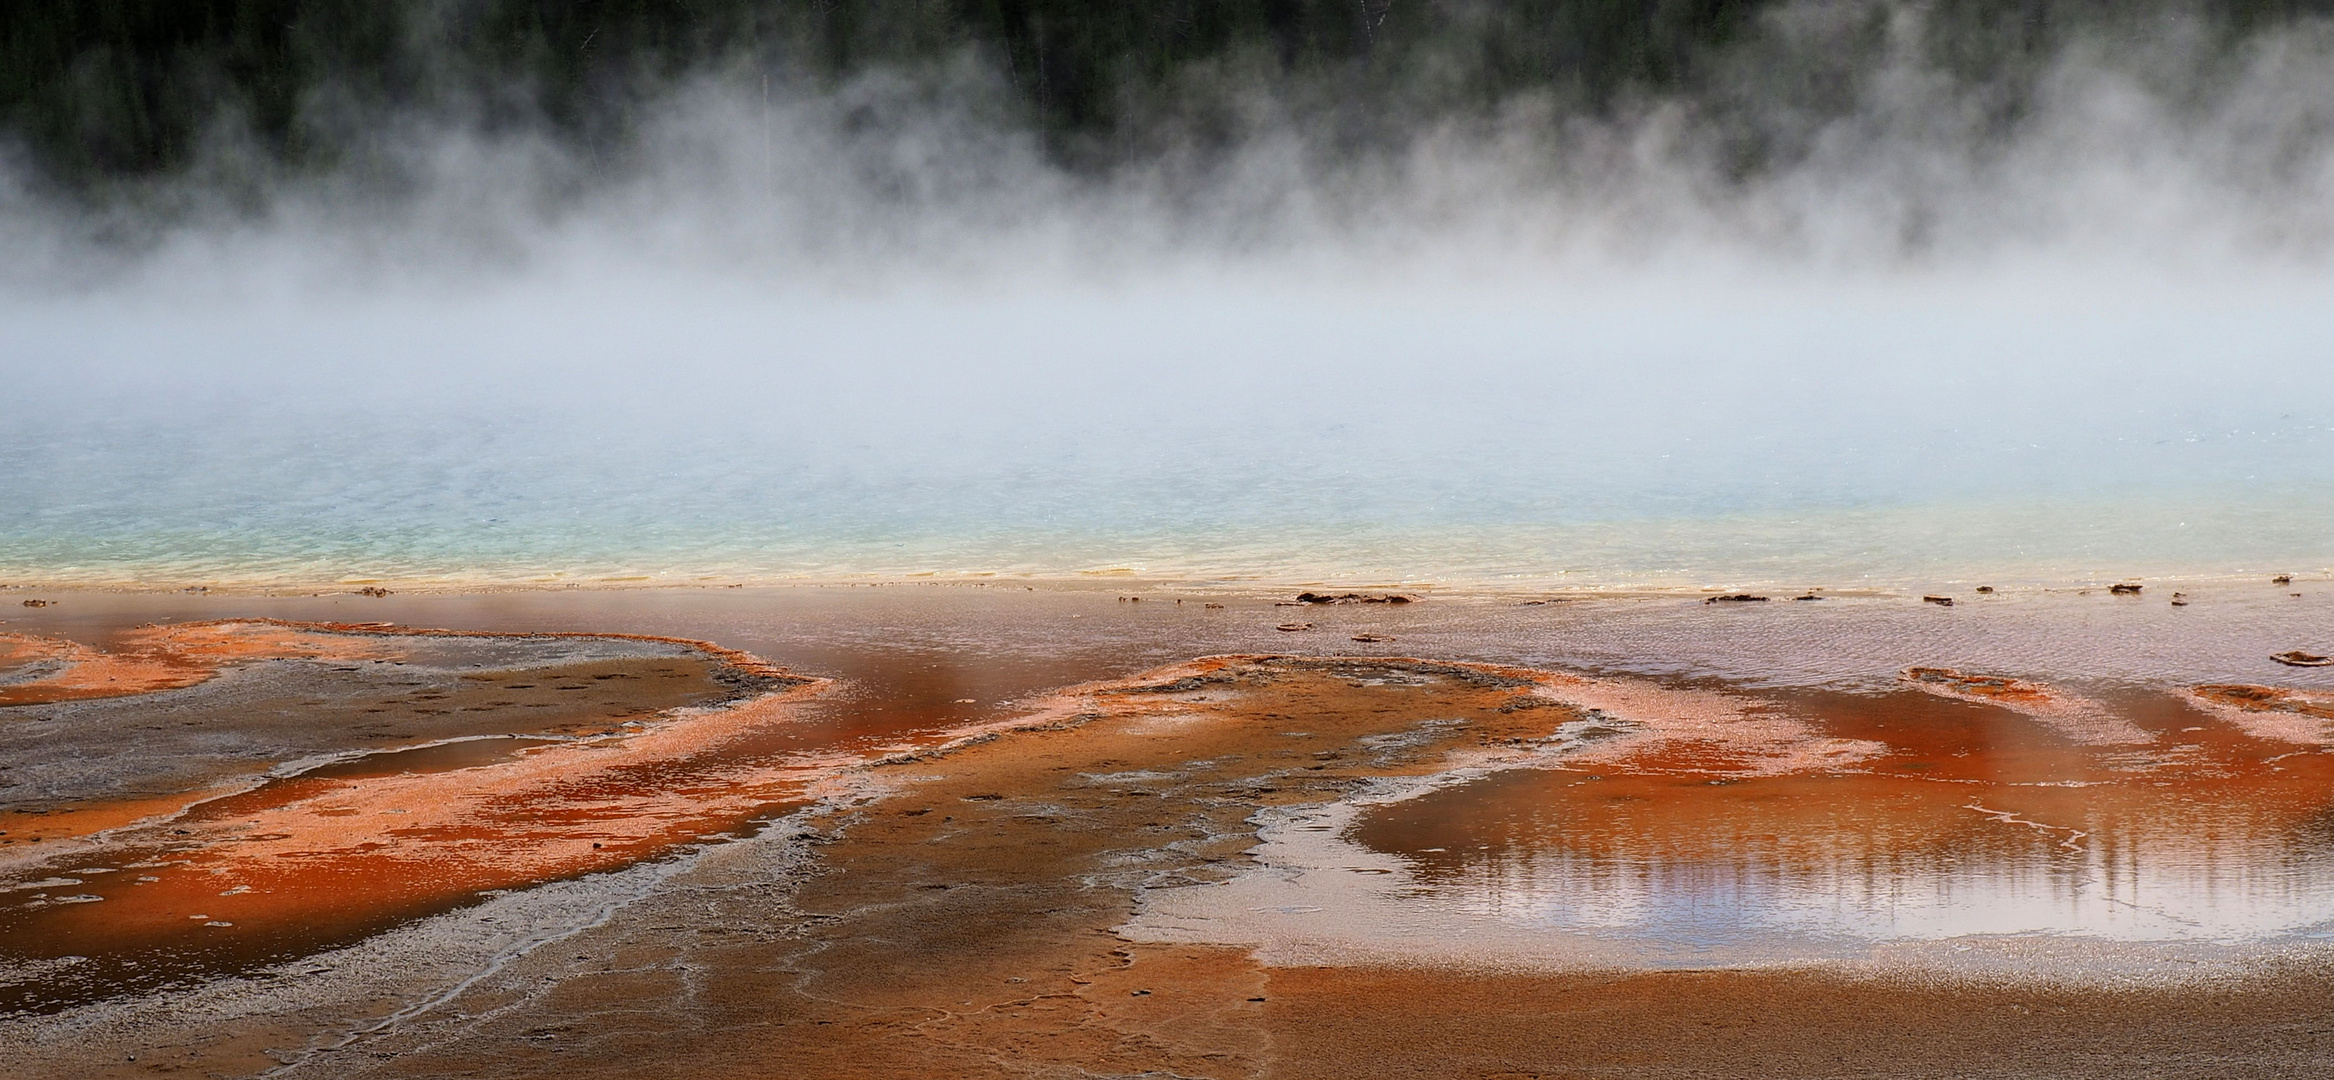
177,655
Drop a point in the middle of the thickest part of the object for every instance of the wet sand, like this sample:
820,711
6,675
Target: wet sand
999,887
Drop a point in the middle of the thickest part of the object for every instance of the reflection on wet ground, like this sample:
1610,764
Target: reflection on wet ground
1743,785
1974,818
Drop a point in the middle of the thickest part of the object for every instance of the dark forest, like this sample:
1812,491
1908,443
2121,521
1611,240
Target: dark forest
98,91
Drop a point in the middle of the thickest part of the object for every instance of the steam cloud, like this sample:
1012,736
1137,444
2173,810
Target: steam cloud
877,326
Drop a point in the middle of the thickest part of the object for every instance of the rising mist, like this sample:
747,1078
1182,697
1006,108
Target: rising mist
1857,289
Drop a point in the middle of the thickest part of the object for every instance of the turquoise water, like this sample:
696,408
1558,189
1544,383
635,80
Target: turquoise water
1261,421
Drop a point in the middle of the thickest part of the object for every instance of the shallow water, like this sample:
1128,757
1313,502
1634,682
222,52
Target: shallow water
1976,821
437,757
2048,425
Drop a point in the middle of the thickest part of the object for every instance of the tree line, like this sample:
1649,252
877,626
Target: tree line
92,90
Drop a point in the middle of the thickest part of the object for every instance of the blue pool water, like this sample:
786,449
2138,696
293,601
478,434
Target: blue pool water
1258,421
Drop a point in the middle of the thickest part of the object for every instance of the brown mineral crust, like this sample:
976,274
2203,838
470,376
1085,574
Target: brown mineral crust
178,655
1355,1022
360,851
25,650
311,850
959,914
351,847
2271,712
483,703
743,662
2074,718
1998,689
1652,728
2265,699
26,826
83,672
156,658
962,925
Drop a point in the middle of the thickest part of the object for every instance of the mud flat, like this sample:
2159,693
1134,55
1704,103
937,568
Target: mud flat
1265,864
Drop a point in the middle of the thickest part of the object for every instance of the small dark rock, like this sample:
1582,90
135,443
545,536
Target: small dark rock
2121,589
1735,598
2298,658
1940,601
